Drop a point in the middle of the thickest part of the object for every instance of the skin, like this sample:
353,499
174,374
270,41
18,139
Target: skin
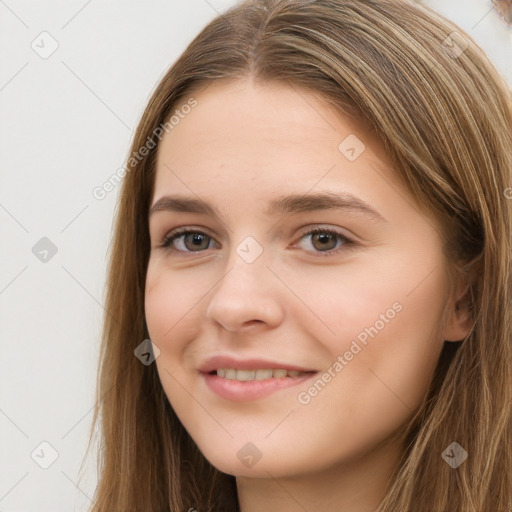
241,146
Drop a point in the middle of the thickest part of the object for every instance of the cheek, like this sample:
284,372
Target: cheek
411,346
171,302
387,354
384,325
172,318
403,356
340,303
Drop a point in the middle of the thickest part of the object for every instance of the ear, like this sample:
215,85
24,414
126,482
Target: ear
459,313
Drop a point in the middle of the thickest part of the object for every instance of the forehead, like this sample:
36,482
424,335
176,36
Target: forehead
258,131
240,114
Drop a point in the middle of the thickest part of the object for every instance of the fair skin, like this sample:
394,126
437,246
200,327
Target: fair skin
240,148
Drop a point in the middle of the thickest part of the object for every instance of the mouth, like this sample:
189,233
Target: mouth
250,379
232,368
258,374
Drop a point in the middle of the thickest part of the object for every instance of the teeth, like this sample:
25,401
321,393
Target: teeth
263,374
245,375
230,373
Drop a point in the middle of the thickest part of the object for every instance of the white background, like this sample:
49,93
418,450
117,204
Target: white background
66,125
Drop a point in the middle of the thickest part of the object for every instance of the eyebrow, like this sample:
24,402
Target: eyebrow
295,203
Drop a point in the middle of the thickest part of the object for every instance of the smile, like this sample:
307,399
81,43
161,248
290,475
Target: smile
247,385
247,375
241,380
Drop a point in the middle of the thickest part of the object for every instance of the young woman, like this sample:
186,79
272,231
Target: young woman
309,286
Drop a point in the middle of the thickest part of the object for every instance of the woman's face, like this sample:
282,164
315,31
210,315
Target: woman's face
356,307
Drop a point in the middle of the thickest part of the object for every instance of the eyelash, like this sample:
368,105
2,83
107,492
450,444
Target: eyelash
348,243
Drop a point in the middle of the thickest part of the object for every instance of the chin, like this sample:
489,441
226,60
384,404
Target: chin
247,460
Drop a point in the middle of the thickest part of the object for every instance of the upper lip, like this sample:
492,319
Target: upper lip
216,362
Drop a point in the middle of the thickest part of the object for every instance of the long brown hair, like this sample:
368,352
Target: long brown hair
444,114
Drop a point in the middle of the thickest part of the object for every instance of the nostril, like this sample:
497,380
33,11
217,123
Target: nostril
250,323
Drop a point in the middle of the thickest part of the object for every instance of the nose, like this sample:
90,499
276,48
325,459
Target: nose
246,298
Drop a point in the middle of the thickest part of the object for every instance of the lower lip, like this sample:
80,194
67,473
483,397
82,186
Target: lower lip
241,391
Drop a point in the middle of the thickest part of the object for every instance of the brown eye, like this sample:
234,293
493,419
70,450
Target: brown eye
326,242
196,241
187,241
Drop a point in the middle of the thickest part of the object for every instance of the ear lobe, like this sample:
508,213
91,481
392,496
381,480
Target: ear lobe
459,320
460,314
